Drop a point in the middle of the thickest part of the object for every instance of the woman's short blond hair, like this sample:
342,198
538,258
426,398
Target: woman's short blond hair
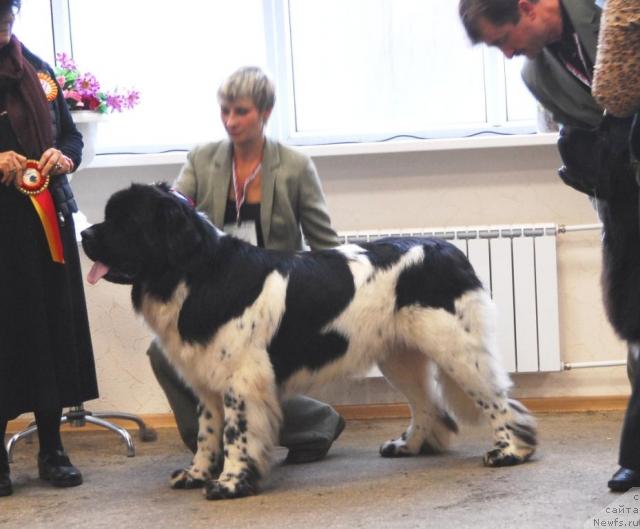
250,82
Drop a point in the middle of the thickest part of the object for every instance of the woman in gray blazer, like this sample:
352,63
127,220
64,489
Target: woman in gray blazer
270,195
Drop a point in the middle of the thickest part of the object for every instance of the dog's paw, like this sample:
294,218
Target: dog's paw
183,479
505,455
397,448
229,487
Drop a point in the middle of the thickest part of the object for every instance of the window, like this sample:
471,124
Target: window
385,68
175,57
345,70
520,103
33,28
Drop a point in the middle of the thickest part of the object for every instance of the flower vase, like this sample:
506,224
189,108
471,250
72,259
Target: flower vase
87,123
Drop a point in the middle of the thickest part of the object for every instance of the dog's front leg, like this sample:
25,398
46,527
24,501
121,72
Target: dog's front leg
252,419
207,461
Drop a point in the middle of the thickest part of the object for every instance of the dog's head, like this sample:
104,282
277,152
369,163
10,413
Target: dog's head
147,228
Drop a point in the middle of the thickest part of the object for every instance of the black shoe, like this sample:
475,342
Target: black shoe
56,468
5,484
624,479
314,451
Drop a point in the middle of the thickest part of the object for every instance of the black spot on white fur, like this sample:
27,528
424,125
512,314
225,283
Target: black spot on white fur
449,422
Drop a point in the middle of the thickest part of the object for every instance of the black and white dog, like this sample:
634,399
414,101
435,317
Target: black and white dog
244,326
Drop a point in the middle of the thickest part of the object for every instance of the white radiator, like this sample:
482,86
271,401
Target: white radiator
517,264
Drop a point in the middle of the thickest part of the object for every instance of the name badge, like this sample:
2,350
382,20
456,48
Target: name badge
246,231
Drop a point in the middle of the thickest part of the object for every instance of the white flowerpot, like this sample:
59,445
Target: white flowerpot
87,123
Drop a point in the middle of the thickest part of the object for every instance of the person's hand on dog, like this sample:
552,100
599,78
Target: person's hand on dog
54,162
12,167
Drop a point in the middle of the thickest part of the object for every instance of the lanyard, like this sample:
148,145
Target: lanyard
241,192
585,79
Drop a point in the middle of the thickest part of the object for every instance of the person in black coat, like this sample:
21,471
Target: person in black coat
616,86
46,356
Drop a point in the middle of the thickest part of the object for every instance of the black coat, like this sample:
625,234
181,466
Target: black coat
46,356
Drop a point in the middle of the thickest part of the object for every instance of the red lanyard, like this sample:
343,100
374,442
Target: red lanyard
241,192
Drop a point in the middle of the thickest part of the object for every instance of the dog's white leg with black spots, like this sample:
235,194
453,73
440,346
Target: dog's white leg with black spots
252,418
462,345
514,432
207,461
485,382
514,428
432,428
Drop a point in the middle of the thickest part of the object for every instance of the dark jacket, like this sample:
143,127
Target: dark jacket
66,138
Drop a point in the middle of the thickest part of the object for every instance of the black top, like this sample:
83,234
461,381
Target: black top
247,212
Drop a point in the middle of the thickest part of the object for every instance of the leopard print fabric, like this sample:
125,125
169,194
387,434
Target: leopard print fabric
616,81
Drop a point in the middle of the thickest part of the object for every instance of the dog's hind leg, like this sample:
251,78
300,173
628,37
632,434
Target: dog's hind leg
462,345
483,379
252,417
207,461
431,428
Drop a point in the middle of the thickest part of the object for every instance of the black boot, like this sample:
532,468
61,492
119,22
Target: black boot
56,468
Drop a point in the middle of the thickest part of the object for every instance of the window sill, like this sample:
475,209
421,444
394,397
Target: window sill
350,149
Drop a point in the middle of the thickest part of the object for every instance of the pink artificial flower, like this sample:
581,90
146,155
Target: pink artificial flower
132,99
87,84
73,95
115,102
64,61
61,80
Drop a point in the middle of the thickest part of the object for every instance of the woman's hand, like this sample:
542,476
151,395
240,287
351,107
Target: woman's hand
12,167
54,162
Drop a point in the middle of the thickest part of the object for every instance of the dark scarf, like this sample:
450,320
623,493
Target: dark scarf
25,101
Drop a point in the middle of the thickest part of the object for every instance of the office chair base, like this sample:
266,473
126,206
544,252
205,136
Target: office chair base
78,416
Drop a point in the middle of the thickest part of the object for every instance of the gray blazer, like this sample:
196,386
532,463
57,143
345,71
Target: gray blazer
292,203
557,89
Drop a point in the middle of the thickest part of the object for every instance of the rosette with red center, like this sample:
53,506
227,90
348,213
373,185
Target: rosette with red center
32,181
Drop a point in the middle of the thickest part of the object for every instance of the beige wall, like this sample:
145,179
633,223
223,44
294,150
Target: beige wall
448,188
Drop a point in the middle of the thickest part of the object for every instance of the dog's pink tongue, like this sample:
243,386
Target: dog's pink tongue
97,272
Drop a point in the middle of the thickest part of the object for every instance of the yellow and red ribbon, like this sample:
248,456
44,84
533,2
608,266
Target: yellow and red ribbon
34,184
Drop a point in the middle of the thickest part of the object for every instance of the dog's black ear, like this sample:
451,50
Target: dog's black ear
180,229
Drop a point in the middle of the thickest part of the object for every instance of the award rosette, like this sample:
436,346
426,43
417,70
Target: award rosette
48,85
34,185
